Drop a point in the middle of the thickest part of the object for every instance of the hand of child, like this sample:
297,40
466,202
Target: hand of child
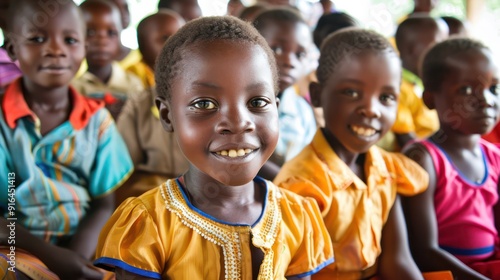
69,265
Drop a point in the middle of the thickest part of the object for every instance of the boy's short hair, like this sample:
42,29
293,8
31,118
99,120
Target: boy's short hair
330,23
436,63
43,7
206,29
142,32
286,14
454,24
347,42
87,5
417,24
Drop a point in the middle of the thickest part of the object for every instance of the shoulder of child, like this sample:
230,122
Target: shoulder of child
411,177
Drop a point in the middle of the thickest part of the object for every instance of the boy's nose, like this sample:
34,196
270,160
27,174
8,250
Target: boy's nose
370,108
235,120
55,48
287,59
487,98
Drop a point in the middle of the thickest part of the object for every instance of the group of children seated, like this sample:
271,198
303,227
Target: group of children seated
215,152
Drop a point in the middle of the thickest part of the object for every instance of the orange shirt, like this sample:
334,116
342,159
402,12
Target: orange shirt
354,212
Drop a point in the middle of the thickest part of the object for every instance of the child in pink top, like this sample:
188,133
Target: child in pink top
454,224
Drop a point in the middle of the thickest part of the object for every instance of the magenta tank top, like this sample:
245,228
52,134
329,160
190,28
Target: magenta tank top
464,209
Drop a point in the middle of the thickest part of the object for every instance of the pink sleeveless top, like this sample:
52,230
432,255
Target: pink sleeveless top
464,209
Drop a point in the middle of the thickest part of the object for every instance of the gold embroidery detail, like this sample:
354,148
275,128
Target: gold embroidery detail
264,233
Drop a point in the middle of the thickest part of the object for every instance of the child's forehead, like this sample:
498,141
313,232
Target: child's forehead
471,61
101,9
67,17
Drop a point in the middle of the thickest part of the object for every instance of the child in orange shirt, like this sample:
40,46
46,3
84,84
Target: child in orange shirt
356,184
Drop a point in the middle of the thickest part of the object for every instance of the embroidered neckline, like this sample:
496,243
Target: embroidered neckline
227,236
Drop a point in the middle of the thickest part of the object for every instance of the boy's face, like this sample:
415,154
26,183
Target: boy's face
49,54
223,109
360,100
468,101
103,35
158,32
290,42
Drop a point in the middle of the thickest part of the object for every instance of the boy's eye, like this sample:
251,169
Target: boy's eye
277,50
467,90
301,54
351,92
37,39
71,41
112,33
258,103
204,104
495,89
388,98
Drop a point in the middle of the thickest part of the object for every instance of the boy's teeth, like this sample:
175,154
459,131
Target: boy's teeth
235,153
363,131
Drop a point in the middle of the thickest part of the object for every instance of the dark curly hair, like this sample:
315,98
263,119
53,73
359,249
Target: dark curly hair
205,29
436,63
347,42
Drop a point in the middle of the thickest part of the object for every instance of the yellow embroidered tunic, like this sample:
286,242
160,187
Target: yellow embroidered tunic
162,236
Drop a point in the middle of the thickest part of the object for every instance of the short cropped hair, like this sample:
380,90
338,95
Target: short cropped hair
347,42
330,23
282,14
206,29
417,24
16,7
436,63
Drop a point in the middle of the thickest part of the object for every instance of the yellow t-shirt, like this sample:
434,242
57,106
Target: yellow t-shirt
132,58
144,73
354,212
161,235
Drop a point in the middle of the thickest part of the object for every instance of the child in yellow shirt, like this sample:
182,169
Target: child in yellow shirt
217,83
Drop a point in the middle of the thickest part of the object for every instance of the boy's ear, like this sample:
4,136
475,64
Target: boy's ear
428,98
164,113
315,93
10,50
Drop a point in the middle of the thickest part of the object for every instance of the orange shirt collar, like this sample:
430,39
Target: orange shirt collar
15,107
374,164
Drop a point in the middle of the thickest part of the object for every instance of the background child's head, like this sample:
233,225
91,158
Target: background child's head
455,26
330,23
461,82
124,12
49,47
188,9
216,81
359,75
154,30
251,12
415,35
289,37
103,31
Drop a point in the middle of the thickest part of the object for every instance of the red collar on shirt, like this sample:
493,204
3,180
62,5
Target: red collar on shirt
15,107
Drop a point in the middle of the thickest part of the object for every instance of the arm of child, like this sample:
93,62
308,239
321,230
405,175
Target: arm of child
422,225
496,213
405,138
85,239
63,262
395,261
